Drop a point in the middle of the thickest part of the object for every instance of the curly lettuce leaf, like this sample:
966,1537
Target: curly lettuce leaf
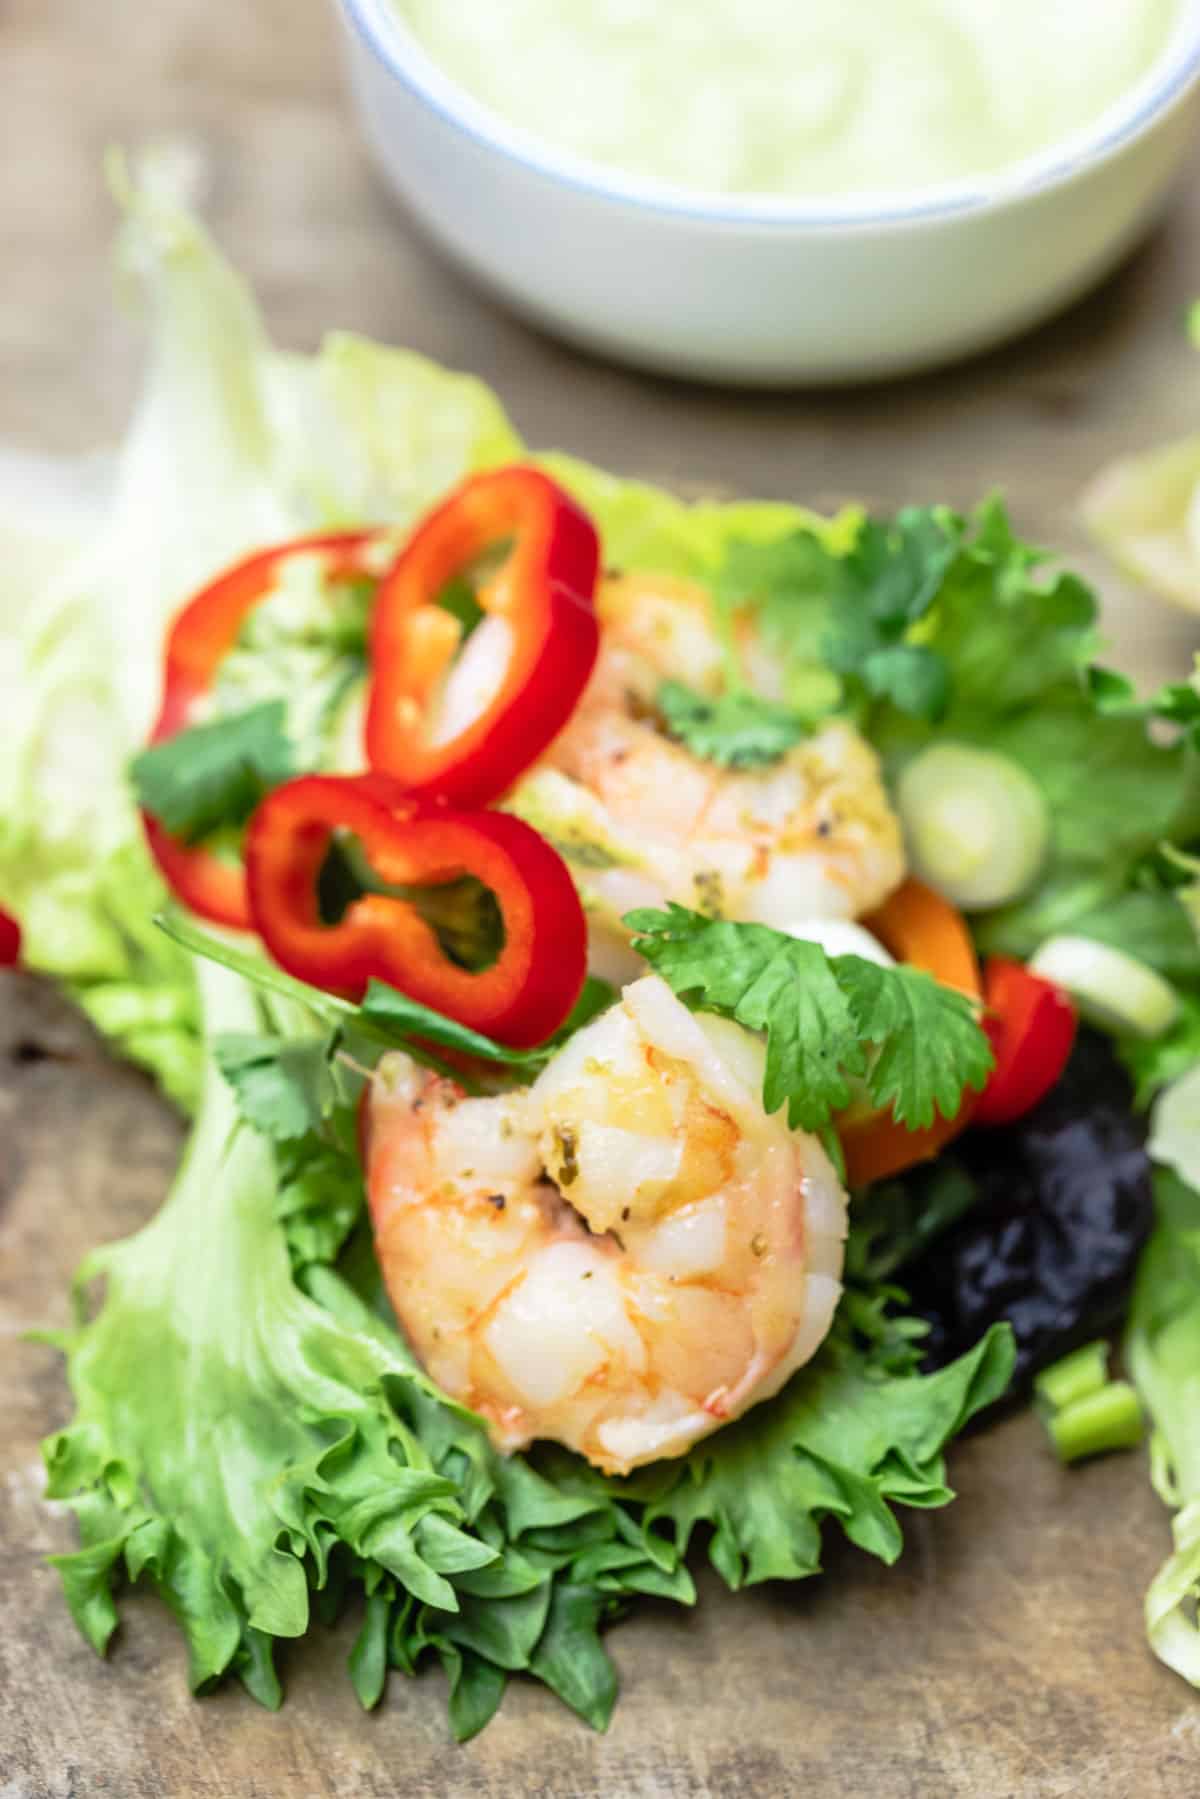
243,1443
254,1439
838,1442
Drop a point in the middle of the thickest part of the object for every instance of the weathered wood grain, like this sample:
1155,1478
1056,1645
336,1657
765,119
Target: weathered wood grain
1003,1658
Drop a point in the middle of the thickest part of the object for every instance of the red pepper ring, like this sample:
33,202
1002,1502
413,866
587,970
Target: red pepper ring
200,638
535,979
544,591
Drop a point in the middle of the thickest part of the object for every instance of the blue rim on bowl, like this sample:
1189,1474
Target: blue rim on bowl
383,31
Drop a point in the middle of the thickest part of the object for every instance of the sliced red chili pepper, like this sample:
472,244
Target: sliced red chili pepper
543,597
1031,1026
412,857
10,940
200,638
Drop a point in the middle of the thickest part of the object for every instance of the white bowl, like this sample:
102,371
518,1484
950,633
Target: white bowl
763,290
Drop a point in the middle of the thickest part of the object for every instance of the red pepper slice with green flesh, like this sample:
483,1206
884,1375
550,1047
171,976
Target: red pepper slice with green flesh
10,940
1031,1027
200,638
535,979
543,591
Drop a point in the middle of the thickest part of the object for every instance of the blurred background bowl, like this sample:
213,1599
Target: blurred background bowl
765,291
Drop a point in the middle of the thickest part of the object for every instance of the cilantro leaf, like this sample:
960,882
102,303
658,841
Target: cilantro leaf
896,567
284,1087
295,1086
854,612
927,613
1008,635
254,967
737,729
214,774
820,1013
930,1045
1112,694
388,1012
767,982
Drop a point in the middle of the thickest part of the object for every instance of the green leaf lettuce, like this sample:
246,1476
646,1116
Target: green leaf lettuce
251,1434
251,1446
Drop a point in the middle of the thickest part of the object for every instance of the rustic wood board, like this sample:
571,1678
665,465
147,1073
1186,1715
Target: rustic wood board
1003,1658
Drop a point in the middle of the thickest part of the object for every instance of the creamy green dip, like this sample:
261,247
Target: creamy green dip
805,98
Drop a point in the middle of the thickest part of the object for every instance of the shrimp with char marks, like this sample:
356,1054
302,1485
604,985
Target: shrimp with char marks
641,820
623,1256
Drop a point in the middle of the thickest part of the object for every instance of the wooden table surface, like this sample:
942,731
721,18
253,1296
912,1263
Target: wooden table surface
1003,1657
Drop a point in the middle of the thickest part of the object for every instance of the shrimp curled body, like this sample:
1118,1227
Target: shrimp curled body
641,820
622,1257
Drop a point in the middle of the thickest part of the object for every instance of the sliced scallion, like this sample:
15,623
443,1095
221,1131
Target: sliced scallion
1103,1421
1113,991
1083,1411
975,823
1076,1376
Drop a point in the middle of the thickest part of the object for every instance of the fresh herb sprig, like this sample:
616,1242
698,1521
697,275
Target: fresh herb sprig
828,1020
215,774
736,729
290,1085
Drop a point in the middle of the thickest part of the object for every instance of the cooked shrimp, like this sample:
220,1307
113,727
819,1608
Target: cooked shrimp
622,1257
641,820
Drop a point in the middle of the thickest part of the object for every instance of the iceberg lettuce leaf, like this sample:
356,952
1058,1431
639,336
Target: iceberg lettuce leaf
232,445
1162,1350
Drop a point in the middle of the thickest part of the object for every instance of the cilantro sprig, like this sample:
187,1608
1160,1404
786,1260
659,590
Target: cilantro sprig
736,729
934,615
289,1086
915,1044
